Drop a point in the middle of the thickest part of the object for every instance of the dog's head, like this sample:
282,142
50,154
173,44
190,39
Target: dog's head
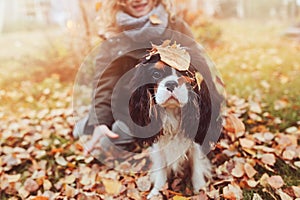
167,88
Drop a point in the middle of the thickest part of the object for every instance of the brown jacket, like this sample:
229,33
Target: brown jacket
120,54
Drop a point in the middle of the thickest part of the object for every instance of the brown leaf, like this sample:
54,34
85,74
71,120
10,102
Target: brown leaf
275,182
154,19
234,124
175,56
250,171
176,197
268,159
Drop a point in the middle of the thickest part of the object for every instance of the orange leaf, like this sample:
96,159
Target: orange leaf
232,192
98,6
40,198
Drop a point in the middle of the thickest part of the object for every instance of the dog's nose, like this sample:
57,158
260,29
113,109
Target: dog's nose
170,85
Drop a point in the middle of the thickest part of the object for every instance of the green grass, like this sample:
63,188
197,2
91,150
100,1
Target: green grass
258,63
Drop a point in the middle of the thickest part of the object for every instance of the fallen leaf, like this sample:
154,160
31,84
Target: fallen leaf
143,184
288,155
61,161
112,186
31,185
70,179
275,182
246,143
250,171
40,198
264,180
292,129
234,124
255,107
256,197
13,178
252,183
47,184
176,197
232,191
283,195
70,191
268,159
238,170
296,190
133,194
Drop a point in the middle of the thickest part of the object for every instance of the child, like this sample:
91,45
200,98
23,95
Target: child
129,27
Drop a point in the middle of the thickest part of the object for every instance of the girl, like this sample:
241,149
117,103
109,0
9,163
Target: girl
129,27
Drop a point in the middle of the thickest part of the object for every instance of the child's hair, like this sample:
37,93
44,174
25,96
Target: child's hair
109,9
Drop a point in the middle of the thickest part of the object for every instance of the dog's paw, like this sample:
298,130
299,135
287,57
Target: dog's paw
154,192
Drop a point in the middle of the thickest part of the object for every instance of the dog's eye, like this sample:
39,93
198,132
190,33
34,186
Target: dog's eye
156,75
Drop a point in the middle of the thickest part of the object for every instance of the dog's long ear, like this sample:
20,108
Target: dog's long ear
203,122
145,119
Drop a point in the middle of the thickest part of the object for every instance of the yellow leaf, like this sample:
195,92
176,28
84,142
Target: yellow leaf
112,187
154,19
179,198
199,79
98,6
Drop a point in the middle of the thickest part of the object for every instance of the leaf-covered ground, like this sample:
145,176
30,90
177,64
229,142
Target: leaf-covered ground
257,157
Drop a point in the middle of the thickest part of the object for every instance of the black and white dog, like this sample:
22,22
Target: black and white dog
184,114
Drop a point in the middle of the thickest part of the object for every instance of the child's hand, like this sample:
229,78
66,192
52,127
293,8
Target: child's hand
99,132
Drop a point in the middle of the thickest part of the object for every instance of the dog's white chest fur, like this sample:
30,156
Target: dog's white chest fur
173,152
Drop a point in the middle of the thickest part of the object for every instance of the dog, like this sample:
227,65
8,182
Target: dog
181,116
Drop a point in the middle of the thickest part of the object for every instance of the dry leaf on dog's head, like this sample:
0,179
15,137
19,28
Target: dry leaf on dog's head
175,56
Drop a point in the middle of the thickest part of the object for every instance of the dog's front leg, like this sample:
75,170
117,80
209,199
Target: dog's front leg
158,171
200,166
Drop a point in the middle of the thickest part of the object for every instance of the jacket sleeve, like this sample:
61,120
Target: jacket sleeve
108,71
